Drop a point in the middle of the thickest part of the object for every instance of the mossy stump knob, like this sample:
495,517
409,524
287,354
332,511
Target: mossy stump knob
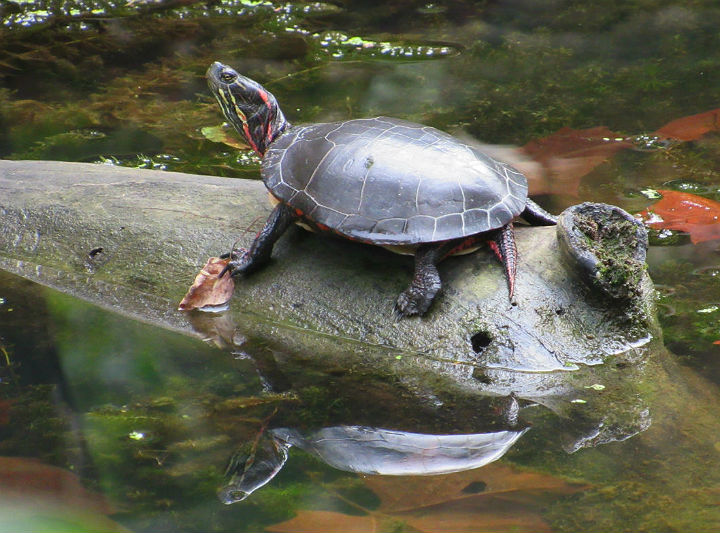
607,247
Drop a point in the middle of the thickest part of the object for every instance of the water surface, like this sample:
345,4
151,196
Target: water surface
110,424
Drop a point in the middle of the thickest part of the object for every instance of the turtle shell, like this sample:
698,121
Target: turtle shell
391,182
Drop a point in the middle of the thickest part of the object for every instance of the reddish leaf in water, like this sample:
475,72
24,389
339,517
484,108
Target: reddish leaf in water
686,212
567,155
5,406
495,498
208,289
320,521
33,480
691,128
41,497
716,342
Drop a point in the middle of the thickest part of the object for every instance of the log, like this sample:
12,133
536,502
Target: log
132,240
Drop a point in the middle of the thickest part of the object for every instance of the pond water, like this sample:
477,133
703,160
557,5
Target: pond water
111,424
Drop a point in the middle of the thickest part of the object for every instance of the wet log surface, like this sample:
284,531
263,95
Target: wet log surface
133,240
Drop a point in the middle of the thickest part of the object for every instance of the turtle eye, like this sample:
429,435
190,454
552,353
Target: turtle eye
228,76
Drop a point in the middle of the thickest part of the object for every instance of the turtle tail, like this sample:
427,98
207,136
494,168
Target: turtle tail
503,244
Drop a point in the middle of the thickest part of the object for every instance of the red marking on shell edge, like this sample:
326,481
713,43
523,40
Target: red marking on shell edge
322,227
298,212
463,245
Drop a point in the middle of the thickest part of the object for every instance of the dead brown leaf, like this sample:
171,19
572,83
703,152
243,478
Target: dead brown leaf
208,289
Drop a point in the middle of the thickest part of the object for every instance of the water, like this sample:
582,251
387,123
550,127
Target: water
107,423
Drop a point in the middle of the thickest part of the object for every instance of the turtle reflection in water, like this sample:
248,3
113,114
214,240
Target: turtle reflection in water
364,450
381,181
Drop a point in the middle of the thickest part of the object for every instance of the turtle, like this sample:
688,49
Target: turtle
382,181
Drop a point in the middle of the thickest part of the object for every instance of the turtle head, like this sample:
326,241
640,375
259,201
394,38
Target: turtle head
252,110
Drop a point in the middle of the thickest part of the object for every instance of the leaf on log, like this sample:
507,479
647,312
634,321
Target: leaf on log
686,212
208,289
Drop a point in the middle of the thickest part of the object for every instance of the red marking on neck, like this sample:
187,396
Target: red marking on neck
268,128
249,138
264,97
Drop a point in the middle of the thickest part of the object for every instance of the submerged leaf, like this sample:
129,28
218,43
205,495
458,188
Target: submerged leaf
691,128
408,493
319,521
208,289
686,212
567,155
495,498
34,481
221,134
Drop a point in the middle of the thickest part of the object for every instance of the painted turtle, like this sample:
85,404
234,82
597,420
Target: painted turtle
381,181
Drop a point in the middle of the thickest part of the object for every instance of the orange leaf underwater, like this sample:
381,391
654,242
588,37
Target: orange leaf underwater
568,154
492,499
686,212
208,289
691,128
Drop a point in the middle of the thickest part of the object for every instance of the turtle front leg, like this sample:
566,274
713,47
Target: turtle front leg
259,254
416,299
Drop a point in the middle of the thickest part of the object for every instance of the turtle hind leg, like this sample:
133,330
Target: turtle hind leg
503,244
259,254
537,216
416,299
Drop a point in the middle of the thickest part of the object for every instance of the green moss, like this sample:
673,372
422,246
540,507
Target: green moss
614,241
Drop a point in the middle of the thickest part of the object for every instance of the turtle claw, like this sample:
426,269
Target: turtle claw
399,314
225,270
411,302
238,263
